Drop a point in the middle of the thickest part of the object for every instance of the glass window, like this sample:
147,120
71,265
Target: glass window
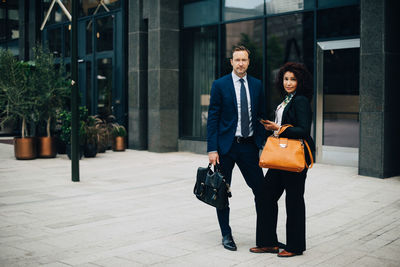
289,38
13,46
336,3
67,40
104,34
3,23
341,97
13,20
9,26
247,33
89,99
104,86
57,15
198,71
89,37
55,41
335,22
279,6
200,13
237,9
92,7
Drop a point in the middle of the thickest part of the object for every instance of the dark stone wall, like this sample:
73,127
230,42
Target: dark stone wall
153,74
379,52
137,76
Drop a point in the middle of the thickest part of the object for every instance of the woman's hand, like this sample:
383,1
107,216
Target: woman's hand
269,125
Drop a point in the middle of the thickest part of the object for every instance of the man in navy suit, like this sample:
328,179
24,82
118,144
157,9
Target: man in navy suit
234,135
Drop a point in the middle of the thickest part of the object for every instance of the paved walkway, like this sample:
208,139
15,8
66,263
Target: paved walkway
136,208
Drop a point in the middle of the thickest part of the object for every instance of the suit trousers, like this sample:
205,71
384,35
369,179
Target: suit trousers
293,183
246,156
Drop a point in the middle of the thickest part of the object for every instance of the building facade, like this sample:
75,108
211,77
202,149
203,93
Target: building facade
151,63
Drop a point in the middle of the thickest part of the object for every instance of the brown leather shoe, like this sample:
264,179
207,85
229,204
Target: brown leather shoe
264,250
287,254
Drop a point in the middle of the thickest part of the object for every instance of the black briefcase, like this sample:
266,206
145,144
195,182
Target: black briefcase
211,187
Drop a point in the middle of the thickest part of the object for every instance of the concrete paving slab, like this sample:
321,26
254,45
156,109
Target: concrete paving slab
137,208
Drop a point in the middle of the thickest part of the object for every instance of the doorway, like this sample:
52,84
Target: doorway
100,65
337,102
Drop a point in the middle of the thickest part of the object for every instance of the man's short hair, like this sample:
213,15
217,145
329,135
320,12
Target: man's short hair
240,48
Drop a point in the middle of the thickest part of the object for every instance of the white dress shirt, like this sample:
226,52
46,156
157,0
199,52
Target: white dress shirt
238,84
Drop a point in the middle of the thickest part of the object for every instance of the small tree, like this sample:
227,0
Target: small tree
18,98
52,85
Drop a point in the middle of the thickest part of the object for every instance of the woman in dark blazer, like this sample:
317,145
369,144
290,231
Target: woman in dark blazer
295,83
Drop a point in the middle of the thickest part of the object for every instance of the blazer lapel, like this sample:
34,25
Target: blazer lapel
232,92
286,110
252,101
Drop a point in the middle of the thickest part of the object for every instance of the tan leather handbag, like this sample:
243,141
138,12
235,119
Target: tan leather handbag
284,153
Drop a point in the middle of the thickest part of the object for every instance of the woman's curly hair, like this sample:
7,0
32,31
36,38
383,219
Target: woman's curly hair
303,76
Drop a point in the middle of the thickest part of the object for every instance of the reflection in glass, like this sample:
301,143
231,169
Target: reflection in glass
200,13
238,9
9,25
289,38
13,20
67,40
341,98
104,86
56,15
92,7
55,41
249,34
89,99
89,37
279,6
68,68
346,22
104,34
198,73
3,28
336,3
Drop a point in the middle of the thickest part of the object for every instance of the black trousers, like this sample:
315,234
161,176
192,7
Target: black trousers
293,183
246,156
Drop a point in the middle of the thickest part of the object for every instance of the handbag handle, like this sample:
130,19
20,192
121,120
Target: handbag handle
310,154
283,128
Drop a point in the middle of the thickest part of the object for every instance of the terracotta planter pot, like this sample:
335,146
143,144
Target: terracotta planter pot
46,147
25,148
119,143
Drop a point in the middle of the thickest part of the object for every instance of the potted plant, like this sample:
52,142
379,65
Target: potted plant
119,133
65,118
54,90
91,132
102,134
104,126
19,101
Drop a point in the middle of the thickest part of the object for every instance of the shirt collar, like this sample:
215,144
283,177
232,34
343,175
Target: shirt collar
237,78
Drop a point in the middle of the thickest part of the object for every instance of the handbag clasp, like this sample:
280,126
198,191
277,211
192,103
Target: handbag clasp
283,142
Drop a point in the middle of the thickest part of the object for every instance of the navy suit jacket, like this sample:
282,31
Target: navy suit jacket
223,114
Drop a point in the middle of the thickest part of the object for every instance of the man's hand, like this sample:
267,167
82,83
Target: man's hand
213,158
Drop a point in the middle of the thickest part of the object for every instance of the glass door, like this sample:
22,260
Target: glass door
100,56
100,64
337,125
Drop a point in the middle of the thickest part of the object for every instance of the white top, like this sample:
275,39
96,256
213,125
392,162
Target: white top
279,111
238,84
278,114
